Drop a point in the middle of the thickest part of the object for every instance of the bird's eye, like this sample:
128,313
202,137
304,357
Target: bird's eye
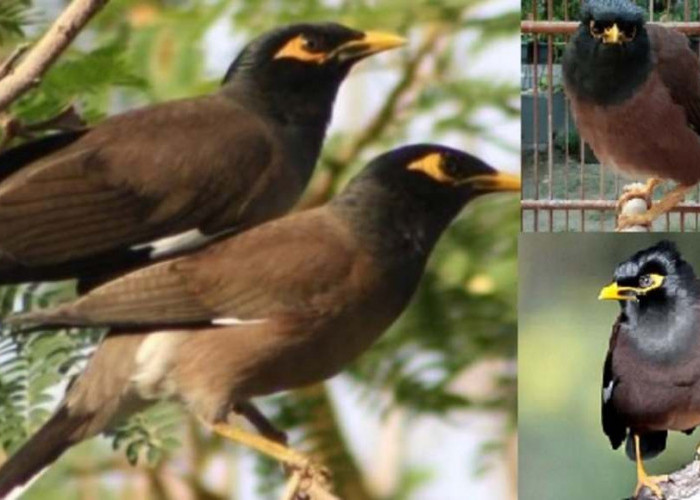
595,29
645,281
450,167
312,43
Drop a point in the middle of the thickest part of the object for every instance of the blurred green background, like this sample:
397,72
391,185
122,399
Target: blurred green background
429,412
563,339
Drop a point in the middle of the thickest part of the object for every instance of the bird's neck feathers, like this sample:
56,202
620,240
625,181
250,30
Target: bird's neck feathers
389,221
606,75
665,330
307,103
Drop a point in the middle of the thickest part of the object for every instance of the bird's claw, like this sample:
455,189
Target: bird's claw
636,190
304,476
651,482
633,220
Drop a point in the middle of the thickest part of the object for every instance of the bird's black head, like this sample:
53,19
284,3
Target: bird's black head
612,22
610,53
295,69
417,190
652,277
658,295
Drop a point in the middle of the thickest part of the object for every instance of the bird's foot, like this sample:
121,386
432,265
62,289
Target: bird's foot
630,216
651,482
634,205
308,479
306,475
643,191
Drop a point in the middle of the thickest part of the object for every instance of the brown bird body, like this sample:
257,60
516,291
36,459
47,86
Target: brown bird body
634,91
654,130
101,200
285,304
651,375
652,396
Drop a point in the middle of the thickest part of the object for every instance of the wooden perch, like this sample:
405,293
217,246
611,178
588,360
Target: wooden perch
684,484
25,74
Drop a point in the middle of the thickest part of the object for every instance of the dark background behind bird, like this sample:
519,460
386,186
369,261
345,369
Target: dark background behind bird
563,337
443,375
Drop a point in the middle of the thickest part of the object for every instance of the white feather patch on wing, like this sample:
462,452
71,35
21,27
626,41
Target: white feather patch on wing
608,391
154,361
236,321
163,247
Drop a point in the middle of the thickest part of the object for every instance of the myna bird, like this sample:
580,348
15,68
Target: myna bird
284,304
164,178
635,95
652,368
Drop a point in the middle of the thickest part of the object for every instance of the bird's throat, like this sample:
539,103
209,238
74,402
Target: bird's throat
603,74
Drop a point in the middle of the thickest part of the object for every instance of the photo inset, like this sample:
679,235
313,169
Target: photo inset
609,366
610,116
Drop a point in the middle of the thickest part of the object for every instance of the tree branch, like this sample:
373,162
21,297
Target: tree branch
29,71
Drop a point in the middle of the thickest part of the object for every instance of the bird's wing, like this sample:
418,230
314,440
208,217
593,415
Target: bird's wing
679,69
132,179
613,427
20,156
286,268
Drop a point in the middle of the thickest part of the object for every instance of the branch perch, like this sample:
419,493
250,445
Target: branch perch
684,484
28,72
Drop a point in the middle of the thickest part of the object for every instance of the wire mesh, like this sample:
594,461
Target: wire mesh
565,188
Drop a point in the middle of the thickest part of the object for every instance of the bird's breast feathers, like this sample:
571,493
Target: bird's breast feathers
648,134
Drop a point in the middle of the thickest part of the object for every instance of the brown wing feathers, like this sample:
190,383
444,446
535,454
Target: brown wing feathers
679,69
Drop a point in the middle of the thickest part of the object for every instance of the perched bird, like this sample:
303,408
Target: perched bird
164,178
651,374
284,304
635,95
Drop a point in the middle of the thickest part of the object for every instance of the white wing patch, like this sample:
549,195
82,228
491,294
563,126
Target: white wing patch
236,321
608,391
154,361
182,242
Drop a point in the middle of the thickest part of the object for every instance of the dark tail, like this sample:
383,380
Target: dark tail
650,444
40,451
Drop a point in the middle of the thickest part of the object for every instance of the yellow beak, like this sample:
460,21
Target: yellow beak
615,292
612,35
501,181
372,43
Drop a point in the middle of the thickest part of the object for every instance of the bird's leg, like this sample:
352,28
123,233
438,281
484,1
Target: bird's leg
643,479
260,422
306,474
669,200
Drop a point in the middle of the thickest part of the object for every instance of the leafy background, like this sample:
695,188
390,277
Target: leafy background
429,412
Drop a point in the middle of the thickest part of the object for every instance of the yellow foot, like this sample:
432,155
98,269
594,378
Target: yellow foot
306,475
651,482
655,210
638,190
644,479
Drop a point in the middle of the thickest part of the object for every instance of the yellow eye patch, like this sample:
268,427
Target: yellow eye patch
296,48
431,165
615,292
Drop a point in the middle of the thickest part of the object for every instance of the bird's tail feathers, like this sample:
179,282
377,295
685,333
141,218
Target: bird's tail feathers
40,451
650,444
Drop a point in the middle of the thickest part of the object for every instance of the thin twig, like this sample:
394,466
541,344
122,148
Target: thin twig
39,59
